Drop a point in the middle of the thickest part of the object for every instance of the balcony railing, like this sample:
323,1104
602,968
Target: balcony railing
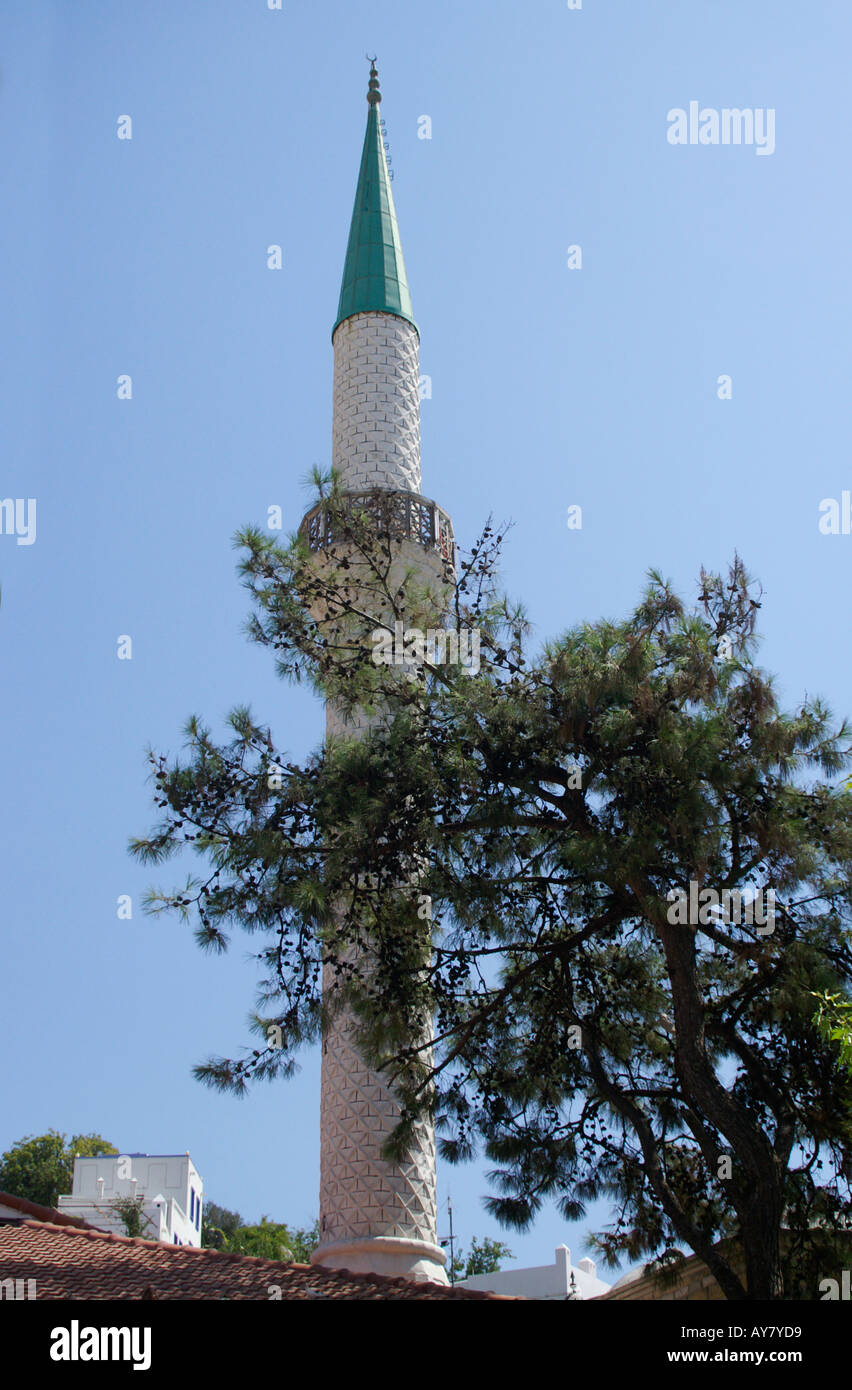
399,515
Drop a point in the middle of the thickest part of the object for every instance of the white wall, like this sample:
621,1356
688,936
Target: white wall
543,1281
173,1178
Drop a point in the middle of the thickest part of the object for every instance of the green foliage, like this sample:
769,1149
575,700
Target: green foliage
484,1257
135,1222
302,1242
40,1167
833,1018
270,1240
217,1224
586,1043
274,1241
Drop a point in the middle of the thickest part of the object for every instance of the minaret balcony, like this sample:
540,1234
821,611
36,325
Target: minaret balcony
398,515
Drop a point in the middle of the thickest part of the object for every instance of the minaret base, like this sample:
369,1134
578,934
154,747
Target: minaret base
407,1259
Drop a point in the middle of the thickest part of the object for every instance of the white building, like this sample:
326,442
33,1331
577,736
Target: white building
169,1185
547,1282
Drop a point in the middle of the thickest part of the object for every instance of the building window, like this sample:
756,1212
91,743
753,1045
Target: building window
192,1204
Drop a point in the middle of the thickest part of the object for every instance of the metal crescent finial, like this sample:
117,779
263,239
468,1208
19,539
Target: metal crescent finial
374,95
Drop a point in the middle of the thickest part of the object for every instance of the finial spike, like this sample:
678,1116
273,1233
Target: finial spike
374,96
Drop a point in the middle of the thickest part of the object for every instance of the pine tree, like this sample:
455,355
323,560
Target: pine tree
562,807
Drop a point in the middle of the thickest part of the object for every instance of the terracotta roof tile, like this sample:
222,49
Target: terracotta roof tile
69,1262
40,1213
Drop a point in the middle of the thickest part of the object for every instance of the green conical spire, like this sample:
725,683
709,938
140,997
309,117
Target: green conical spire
374,273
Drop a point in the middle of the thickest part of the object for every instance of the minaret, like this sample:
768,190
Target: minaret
376,1216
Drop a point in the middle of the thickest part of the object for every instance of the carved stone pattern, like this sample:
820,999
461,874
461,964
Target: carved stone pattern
376,424
361,1194
401,515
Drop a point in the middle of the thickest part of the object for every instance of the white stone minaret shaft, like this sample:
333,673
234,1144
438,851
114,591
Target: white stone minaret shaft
376,426
376,1216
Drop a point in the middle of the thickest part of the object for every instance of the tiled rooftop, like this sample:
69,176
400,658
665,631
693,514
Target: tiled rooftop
69,1262
22,1208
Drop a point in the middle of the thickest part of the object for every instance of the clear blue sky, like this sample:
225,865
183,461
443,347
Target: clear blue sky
550,387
